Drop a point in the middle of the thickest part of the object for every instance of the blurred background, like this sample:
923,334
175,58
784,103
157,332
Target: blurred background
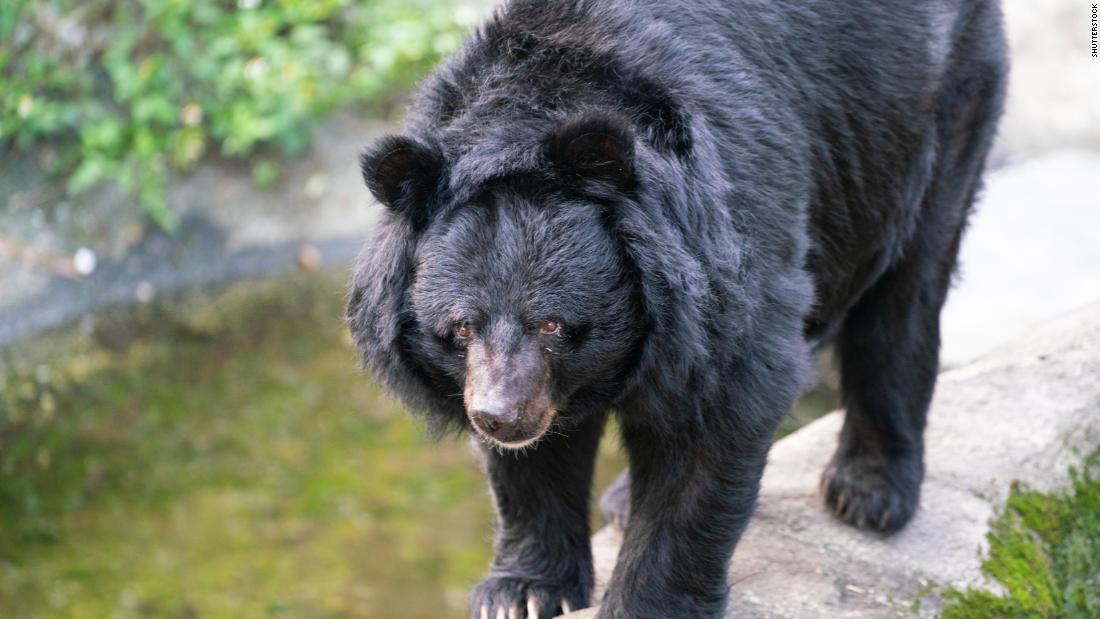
184,432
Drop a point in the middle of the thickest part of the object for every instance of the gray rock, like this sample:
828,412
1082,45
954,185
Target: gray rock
1031,252
1026,412
1052,86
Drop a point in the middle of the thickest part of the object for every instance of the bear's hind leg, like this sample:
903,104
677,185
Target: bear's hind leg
889,356
615,501
889,343
888,352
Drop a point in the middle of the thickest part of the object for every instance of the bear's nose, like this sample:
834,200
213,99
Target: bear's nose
496,419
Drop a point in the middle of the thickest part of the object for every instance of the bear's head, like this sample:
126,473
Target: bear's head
517,305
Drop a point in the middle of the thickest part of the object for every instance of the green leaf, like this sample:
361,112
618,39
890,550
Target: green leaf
88,173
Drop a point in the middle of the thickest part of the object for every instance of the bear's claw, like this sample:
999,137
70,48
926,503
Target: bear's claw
873,492
508,597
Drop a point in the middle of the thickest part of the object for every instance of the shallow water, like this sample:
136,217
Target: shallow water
219,455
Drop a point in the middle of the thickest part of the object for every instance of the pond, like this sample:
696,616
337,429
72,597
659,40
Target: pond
219,455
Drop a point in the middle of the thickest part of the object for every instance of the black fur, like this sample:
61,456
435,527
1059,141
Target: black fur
703,192
404,173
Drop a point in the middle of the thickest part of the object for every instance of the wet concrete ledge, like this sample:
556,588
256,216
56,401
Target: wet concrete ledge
1025,412
66,300
318,214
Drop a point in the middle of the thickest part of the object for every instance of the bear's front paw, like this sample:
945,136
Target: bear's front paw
873,491
509,597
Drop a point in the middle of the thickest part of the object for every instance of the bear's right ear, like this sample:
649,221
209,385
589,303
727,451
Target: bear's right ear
403,173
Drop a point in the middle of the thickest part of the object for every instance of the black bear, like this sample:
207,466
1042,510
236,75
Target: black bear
660,209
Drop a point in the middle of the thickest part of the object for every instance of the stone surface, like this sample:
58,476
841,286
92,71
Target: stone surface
1052,86
1031,252
1024,413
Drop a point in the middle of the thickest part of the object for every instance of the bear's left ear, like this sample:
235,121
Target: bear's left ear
598,146
403,173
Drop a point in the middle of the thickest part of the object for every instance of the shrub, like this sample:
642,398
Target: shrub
134,90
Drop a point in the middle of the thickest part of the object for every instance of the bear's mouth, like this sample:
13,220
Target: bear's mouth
512,423
526,430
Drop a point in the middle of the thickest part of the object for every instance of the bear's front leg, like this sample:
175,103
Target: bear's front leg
542,565
691,497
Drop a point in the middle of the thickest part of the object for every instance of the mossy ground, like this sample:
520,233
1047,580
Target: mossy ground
1044,550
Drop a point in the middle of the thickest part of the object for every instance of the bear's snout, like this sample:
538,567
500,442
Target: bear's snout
507,393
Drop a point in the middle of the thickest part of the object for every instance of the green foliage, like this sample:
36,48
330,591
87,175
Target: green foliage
1045,551
134,90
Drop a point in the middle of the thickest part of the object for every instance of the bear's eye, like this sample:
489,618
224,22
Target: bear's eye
550,327
463,331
